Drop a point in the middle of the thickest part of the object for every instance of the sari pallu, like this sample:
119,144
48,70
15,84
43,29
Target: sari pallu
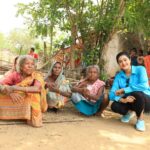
32,106
56,100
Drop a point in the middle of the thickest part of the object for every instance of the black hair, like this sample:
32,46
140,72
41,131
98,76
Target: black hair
121,54
141,53
134,50
57,62
32,48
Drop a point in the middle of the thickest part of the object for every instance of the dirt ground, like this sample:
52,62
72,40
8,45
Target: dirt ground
70,130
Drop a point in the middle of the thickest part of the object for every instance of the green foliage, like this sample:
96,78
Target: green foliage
19,41
94,21
137,16
2,41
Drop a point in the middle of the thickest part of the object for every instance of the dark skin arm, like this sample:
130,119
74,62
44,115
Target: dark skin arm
82,90
79,90
53,88
16,97
95,97
36,88
66,94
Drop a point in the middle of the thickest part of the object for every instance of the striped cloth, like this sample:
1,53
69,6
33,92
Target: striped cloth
10,110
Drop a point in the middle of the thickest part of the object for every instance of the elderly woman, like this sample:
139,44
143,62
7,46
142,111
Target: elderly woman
130,91
27,98
58,87
88,96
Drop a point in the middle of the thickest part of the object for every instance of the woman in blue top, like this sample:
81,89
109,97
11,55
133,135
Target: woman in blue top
130,91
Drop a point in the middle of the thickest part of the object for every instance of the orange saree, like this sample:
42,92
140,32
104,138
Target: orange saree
147,65
32,106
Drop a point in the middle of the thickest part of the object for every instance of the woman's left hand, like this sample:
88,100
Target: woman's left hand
130,99
120,92
54,88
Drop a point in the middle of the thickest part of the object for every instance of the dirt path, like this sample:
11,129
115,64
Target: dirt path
69,130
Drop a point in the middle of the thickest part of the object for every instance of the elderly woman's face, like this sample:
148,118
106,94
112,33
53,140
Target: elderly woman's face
57,69
28,66
92,74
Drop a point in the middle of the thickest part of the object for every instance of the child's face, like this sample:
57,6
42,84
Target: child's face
92,74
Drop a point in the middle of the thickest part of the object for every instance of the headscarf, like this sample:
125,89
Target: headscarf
60,77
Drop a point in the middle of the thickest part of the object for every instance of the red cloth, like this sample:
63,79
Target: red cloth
147,65
14,78
11,79
34,55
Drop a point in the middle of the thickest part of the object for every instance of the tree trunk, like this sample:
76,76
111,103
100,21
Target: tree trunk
45,51
51,39
73,37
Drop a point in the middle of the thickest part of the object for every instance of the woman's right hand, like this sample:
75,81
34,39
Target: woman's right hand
130,99
16,98
120,92
51,86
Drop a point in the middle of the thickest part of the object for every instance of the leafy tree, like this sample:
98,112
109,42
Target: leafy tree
2,41
93,21
19,41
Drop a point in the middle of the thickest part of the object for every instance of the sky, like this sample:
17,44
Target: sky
8,19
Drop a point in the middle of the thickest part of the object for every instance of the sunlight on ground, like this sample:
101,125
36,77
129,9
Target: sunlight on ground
116,137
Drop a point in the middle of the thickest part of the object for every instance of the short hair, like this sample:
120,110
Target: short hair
134,50
21,60
141,53
92,66
121,54
32,48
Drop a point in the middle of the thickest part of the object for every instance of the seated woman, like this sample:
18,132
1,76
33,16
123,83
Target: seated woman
88,96
130,91
58,87
27,99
